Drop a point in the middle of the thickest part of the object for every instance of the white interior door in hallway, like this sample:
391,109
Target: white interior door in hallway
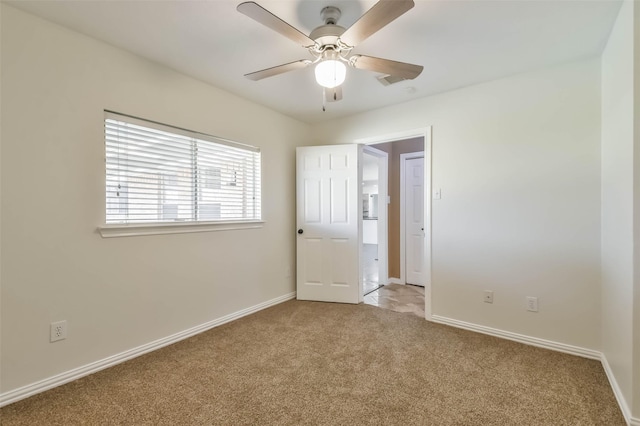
414,240
329,206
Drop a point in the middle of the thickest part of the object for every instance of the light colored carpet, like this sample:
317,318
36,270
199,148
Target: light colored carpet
333,364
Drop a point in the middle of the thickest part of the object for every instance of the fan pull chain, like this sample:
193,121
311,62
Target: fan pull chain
324,99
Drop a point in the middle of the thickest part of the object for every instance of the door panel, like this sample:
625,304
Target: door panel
414,221
312,203
339,161
312,249
339,201
339,265
328,202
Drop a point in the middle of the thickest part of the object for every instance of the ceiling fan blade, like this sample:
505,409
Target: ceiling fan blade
386,66
333,95
258,13
381,14
280,69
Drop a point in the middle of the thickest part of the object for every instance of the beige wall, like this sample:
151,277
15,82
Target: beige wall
518,159
619,142
518,162
394,149
117,293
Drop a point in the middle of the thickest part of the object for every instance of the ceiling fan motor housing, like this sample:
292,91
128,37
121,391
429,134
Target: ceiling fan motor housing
329,33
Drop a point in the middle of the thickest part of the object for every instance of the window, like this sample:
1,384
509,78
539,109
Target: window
158,174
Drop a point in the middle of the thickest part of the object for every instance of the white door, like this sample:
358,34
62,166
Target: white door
328,223
414,220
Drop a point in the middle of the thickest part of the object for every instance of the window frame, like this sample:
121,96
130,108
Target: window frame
107,230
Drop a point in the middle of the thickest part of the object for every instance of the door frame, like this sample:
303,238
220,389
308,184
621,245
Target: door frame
425,133
383,218
403,209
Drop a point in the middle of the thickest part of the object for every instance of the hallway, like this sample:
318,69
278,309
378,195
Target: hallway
398,298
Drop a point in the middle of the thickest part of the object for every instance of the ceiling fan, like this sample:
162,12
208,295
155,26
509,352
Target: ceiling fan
331,45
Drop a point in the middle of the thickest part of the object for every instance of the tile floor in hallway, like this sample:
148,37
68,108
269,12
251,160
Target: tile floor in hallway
370,267
399,298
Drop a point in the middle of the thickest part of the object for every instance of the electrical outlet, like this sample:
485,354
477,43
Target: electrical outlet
58,331
287,272
532,304
488,296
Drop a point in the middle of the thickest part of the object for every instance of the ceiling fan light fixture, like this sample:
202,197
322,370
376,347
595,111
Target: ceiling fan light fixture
330,73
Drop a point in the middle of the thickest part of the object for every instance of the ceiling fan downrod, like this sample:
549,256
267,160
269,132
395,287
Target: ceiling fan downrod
327,37
330,15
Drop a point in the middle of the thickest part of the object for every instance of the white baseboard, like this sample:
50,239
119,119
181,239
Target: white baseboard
66,377
626,412
71,375
554,346
528,340
395,281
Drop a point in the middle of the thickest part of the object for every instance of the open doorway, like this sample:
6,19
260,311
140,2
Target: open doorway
409,223
374,219
329,218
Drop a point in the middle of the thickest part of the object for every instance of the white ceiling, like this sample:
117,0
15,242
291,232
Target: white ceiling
459,43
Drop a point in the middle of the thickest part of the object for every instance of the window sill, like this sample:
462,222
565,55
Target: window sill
117,230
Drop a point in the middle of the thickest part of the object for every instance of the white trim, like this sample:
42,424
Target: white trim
551,345
359,237
396,136
521,338
624,407
110,231
68,376
428,194
426,134
383,218
375,151
393,280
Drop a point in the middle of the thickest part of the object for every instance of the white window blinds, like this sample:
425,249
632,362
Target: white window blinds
157,174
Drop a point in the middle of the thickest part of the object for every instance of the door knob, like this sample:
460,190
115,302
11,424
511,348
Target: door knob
300,231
